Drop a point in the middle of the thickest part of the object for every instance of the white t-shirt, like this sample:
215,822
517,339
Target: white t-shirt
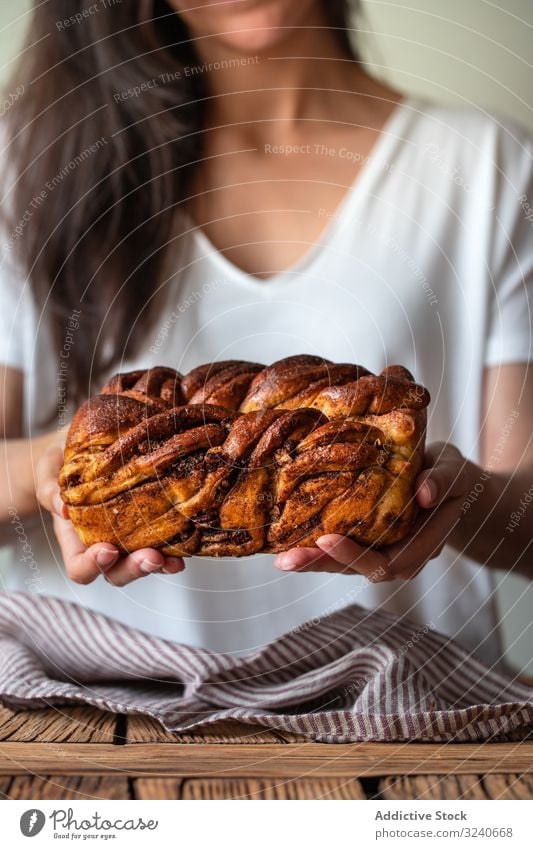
428,263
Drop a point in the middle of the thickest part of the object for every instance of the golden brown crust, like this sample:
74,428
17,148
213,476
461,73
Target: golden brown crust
236,458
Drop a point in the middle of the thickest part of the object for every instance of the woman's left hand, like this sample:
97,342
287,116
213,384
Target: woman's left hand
440,490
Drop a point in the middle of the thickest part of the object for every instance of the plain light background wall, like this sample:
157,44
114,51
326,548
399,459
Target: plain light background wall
472,52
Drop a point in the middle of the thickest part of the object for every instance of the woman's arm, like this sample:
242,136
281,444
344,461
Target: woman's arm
19,457
496,525
468,506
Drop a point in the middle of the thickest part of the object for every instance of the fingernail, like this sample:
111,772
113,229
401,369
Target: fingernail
326,542
431,490
173,562
106,558
57,504
286,565
148,566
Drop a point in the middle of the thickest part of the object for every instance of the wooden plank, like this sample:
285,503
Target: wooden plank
68,787
287,737
157,788
144,729
510,786
72,724
269,759
4,786
432,787
256,788
490,786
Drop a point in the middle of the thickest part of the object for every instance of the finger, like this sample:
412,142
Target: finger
141,563
368,562
434,451
429,537
445,480
173,565
58,505
307,560
46,486
82,564
335,553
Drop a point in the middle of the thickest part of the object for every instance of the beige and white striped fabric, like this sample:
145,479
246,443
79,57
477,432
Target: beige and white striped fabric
353,675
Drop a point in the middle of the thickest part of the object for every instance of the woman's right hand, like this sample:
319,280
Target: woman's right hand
84,564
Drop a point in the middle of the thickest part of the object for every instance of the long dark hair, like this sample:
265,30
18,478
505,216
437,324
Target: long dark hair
100,159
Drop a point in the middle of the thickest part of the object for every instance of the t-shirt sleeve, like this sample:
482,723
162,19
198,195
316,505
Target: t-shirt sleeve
15,313
510,333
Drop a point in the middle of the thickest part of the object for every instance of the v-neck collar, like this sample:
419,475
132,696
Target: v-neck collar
355,193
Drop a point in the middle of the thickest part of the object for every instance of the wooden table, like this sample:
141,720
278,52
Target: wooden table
83,753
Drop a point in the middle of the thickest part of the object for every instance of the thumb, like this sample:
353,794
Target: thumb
46,485
444,480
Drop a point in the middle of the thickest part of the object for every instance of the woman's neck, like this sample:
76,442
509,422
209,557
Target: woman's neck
285,84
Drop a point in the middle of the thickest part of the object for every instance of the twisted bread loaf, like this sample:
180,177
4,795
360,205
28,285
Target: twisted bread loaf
235,458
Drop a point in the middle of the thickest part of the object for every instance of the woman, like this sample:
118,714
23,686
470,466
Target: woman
227,181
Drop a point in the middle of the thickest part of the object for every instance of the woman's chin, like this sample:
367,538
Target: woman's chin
249,42
256,28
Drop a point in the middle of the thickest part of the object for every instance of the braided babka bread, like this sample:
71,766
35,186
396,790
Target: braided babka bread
236,458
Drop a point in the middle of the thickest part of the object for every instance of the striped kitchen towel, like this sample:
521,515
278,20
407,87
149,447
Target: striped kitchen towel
350,676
